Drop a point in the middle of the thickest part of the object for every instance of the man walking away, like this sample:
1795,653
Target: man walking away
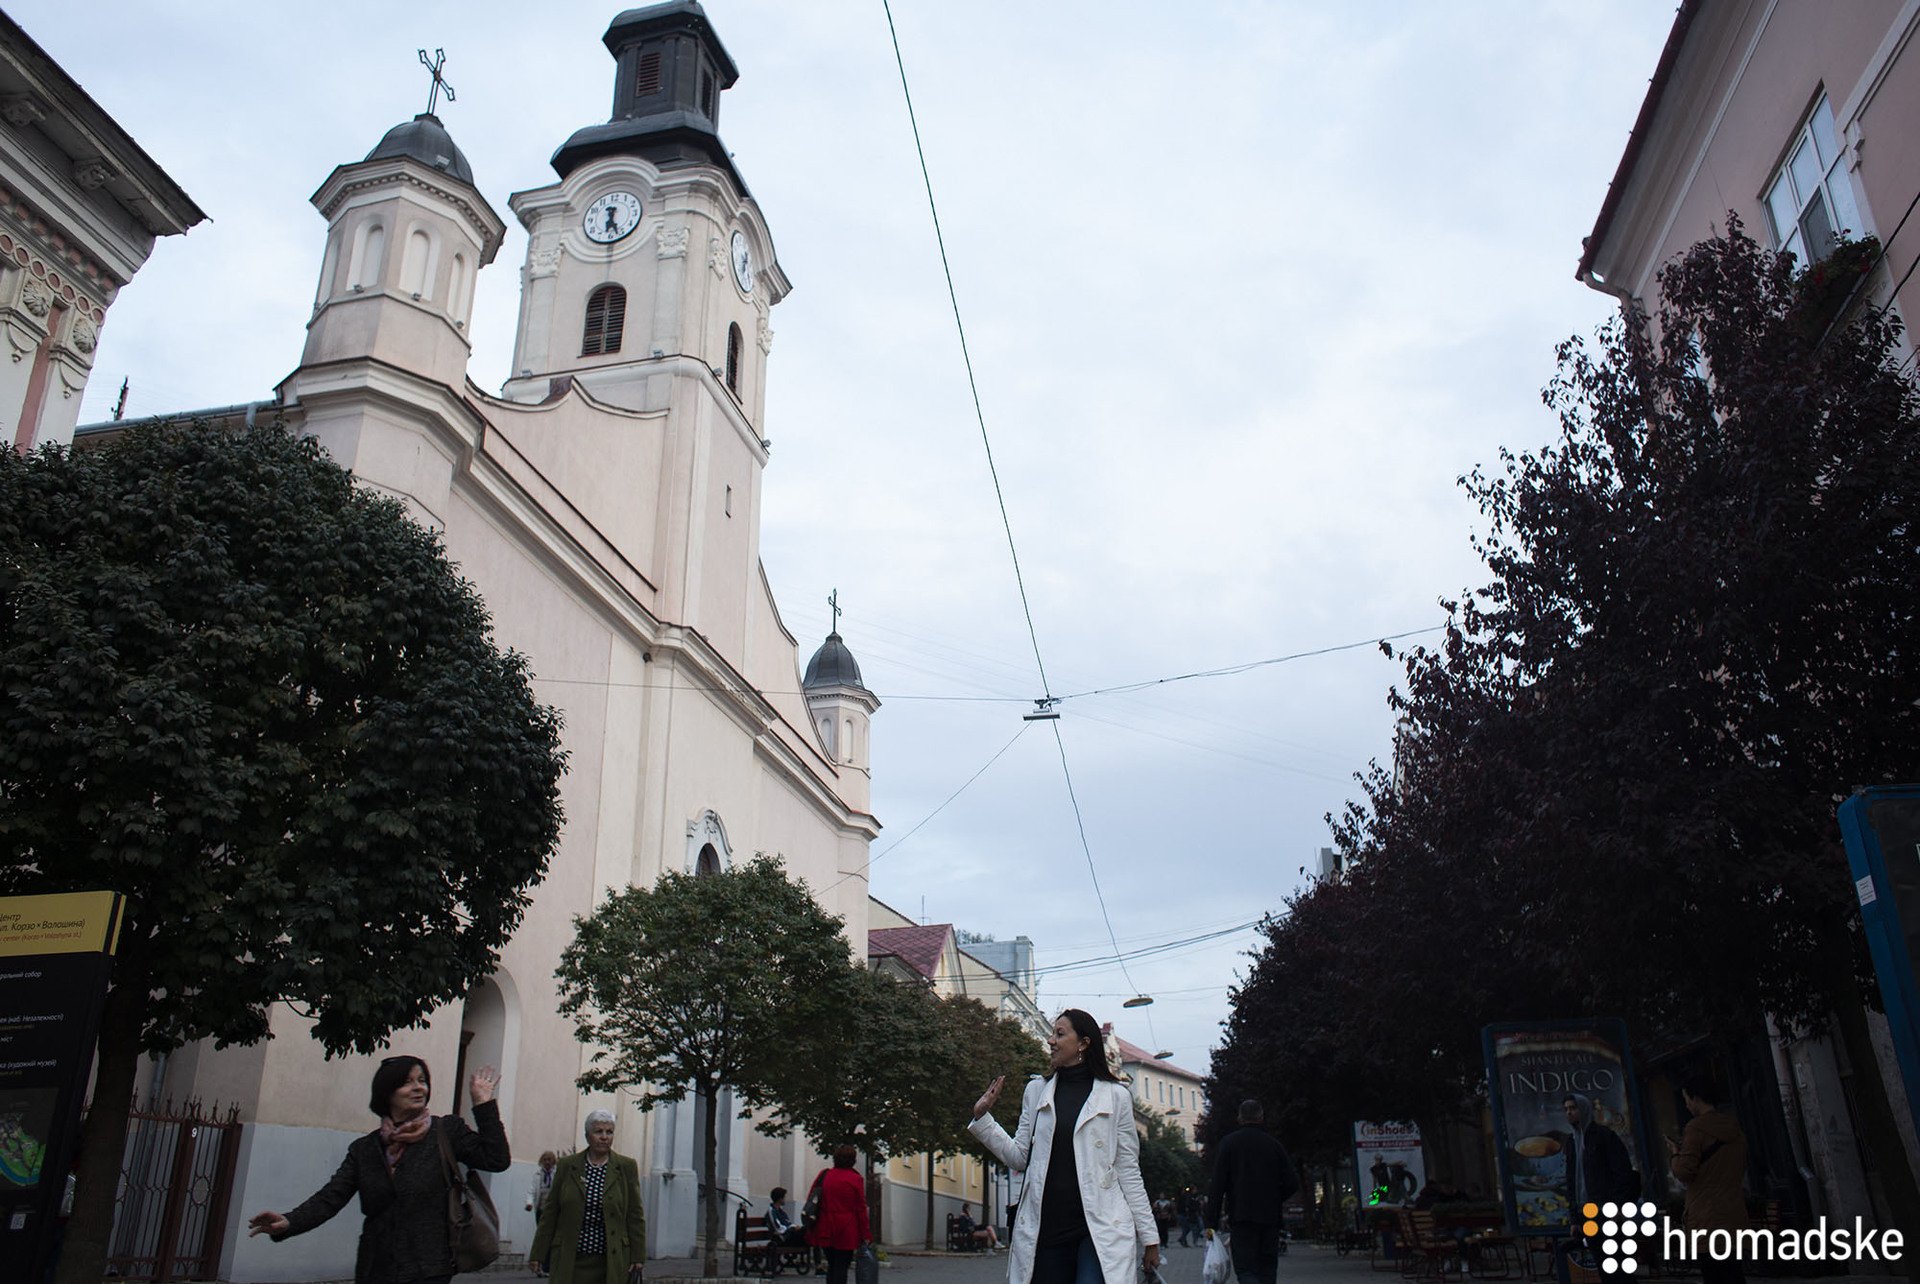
1252,1180
1711,1158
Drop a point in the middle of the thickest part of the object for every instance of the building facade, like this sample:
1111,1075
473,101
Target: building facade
81,206
1175,1094
1796,115
606,503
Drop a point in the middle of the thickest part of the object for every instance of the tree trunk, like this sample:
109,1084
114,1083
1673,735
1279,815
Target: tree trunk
930,1203
83,1255
1878,1131
710,1146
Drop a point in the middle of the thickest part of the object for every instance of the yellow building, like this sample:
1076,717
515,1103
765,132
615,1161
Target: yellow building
933,954
1176,1095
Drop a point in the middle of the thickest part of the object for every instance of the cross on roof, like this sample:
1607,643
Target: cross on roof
434,65
833,604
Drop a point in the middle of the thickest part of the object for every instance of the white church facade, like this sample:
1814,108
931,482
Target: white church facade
606,503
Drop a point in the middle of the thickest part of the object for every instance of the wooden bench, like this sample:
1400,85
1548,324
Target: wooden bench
756,1251
962,1241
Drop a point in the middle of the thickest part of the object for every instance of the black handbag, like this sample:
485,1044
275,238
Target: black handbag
473,1224
866,1266
810,1211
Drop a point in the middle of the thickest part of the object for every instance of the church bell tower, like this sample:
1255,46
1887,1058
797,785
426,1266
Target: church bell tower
650,258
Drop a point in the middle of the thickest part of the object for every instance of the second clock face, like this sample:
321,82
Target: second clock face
742,256
611,217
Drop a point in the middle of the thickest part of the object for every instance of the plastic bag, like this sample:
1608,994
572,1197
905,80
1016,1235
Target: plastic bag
1218,1267
866,1266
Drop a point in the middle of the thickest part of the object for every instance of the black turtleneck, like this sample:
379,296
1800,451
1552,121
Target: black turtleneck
1063,1219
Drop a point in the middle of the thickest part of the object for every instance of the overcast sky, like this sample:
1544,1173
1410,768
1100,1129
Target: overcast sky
1248,286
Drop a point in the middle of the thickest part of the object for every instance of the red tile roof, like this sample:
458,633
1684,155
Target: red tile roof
1134,1052
918,947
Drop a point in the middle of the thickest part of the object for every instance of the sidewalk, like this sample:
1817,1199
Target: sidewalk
1303,1264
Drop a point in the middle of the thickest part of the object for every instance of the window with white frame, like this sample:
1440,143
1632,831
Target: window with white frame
1810,201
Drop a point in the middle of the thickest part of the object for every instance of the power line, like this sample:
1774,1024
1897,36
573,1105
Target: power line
1228,670
937,810
953,297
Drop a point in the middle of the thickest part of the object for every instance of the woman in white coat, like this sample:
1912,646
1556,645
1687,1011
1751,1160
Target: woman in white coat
1084,1217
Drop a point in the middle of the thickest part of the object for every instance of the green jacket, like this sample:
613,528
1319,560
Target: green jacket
558,1234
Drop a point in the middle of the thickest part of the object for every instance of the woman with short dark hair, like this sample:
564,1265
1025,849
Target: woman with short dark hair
594,1230
399,1174
1084,1217
842,1226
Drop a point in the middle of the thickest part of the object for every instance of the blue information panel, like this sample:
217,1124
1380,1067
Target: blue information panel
1881,827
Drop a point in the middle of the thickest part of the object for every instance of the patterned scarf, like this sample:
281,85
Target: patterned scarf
397,1137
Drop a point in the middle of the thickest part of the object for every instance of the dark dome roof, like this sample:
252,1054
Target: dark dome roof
426,140
833,666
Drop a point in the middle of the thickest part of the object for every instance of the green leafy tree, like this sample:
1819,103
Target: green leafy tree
1168,1165
258,701
704,982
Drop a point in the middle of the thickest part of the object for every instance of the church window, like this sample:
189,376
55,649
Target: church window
733,358
457,290
369,256
647,79
606,318
706,94
709,862
414,264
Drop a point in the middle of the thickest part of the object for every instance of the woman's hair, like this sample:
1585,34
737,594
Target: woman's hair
1095,1056
1701,1085
391,1075
597,1117
548,1157
844,1155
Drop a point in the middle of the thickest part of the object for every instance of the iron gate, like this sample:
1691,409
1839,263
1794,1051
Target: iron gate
176,1178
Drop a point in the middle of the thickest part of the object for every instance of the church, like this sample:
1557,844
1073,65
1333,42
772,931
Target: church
606,503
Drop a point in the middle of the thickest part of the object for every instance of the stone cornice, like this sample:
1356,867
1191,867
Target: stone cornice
72,260
347,181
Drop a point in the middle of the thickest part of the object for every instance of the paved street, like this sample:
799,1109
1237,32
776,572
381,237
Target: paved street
1303,1265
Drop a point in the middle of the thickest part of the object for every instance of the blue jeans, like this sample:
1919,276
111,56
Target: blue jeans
1074,1262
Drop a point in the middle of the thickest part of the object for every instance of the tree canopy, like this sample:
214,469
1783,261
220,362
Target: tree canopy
256,699
708,981
1614,784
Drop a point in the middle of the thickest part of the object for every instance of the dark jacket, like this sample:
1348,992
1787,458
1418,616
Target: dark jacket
557,1238
1252,1178
1609,1170
843,1221
404,1236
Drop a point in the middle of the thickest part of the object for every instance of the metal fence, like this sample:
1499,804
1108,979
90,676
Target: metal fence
176,1179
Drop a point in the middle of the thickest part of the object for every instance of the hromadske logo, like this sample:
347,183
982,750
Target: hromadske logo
1624,1230
1620,1234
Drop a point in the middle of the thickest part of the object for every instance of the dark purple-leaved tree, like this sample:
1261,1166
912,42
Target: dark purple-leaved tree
1615,782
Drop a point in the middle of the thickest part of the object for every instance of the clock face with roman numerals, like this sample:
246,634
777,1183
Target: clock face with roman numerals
611,217
742,256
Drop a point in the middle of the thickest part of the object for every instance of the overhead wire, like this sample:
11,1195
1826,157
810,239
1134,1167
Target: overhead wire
896,843
980,417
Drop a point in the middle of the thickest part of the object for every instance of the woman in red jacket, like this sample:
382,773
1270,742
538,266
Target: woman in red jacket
842,1226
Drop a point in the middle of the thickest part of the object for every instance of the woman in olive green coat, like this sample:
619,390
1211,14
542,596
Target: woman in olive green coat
592,1230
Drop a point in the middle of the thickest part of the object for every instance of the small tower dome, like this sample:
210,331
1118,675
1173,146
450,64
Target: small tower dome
426,140
842,708
833,666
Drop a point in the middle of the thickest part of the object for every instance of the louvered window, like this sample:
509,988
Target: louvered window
733,358
606,318
646,80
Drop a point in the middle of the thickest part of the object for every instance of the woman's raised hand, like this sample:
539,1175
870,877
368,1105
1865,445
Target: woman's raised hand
483,1084
266,1224
987,1098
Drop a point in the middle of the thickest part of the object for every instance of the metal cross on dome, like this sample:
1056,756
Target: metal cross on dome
434,65
833,604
